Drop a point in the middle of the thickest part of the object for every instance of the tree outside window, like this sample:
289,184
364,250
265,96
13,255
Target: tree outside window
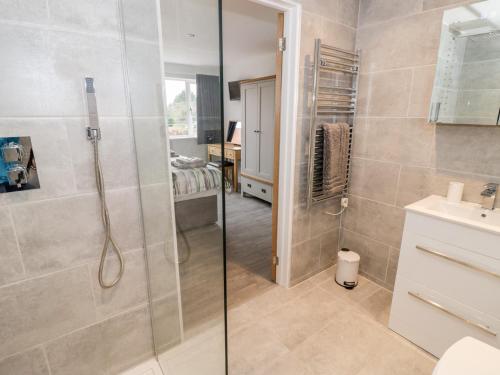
181,107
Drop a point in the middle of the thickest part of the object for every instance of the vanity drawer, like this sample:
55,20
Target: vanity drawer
470,278
434,322
257,189
466,237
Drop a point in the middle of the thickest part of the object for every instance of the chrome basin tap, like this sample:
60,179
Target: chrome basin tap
489,195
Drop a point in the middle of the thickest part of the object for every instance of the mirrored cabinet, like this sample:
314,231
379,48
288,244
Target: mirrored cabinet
467,83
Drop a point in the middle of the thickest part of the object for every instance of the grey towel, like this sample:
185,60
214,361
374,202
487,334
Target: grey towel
335,156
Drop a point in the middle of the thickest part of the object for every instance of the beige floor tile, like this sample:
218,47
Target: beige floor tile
342,348
397,357
378,305
299,319
287,364
252,348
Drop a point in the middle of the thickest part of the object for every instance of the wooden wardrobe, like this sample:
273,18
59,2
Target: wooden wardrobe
257,144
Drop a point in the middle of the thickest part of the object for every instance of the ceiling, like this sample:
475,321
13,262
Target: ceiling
191,33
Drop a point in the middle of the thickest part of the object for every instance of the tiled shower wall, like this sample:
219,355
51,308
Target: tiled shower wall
53,313
398,157
315,233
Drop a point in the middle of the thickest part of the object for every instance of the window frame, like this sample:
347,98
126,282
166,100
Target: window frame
191,122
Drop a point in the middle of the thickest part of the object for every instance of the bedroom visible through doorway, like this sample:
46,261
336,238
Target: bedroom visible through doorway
252,97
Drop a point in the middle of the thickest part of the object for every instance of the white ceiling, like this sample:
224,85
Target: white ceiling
247,28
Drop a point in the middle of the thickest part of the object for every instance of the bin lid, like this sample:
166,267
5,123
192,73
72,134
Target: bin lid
348,256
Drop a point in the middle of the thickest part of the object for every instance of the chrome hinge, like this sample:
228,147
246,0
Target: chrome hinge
282,44
276,261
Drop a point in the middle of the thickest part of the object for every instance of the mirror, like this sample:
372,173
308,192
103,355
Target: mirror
467,84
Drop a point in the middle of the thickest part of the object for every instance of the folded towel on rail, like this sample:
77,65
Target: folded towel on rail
335,157
184,162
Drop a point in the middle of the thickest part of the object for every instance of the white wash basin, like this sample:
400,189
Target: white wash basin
465,213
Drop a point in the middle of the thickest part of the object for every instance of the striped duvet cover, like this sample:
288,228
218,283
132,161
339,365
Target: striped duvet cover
195,180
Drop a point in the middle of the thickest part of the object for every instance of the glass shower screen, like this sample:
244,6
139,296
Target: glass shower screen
173,67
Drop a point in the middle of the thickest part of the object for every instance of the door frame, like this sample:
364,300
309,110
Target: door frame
287,135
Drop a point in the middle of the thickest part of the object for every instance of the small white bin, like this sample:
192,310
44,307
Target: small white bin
347,268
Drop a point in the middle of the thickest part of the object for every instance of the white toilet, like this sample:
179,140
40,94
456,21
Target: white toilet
469,357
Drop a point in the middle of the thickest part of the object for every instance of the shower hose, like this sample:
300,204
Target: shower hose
106,223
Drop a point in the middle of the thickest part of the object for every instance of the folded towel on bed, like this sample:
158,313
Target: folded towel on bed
335,156
184,162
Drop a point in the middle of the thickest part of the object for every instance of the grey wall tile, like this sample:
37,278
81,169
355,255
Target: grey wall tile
104,348
60,233
145,78
385,93
31,362
21,68
374,255
417,183
116,151
392,267
11,265
378,221
167,329
73,56
337,35
53,158
408,41
329,246
320,8
157,212
468,149
400,140
374,179
322,220
421,92
347,12
41,309
140,19
373,11
130,291
162,270
150,139
311,29
301,224
91,15
24,10
431,4
305,259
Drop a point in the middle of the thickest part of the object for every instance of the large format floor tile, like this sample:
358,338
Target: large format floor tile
320,328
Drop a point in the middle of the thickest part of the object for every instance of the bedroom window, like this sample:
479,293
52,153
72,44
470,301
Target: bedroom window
181,107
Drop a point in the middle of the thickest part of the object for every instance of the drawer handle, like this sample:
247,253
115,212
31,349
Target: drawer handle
461,262
436,305
249,185
263,190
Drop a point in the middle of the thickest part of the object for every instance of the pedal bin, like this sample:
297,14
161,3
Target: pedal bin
347,268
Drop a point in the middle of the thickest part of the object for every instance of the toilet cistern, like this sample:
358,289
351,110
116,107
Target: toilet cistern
489,195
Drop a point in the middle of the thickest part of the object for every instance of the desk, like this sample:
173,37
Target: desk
231,152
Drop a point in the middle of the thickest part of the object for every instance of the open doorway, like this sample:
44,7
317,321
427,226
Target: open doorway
252,39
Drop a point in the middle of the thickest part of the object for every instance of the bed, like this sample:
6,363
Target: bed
197,196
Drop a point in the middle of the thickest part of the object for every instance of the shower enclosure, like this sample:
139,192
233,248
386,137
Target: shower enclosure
55,315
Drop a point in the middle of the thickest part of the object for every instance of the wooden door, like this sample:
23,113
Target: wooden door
250,127
266,129
277,117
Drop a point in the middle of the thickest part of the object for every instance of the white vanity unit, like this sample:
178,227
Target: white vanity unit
448,279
